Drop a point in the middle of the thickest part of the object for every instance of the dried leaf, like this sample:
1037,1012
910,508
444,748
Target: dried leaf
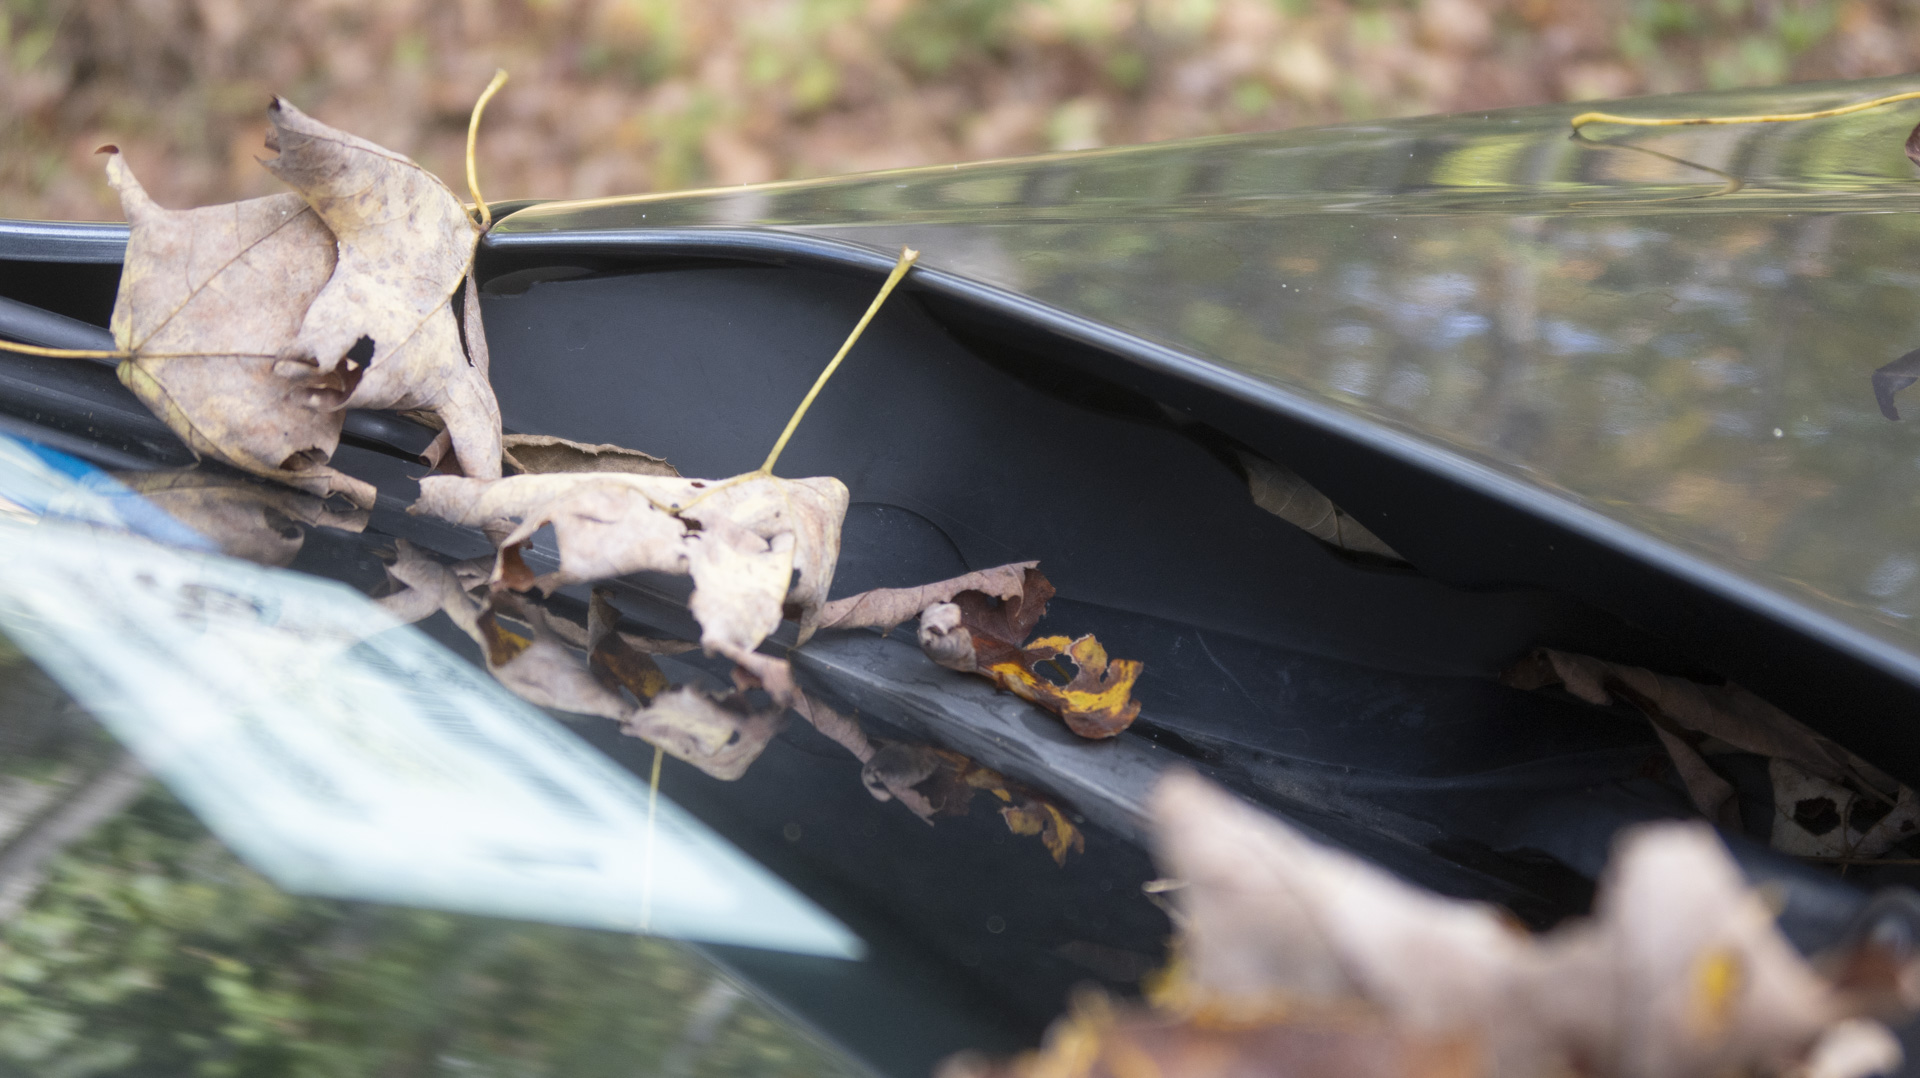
1280,491
536,666
383,325
934,782
248,520
613,658
1680,973
976,635
1866,811
207,298
543,454
1098,1040
886,608
841,729
741,540
721,737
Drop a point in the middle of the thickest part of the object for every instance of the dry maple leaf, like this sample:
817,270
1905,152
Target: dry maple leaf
250,520
974,634
741,540
886,608
207,298
1828,801
544,454
383,327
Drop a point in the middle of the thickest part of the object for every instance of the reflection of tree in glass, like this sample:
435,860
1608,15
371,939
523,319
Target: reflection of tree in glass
151,950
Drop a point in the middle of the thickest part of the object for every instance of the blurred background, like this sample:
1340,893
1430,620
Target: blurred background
627,96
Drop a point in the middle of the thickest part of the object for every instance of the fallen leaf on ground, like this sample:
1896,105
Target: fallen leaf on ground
1280,491
250,520
1828,802
979,633
208,297
886,608
742,541
934,782
1292,951
383,327
543,454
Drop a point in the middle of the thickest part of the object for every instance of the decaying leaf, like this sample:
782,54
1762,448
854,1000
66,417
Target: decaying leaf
382,327
248,520
1099,1039
1291,950
1828,802
934,782
544,454
978,634
614,658
886,608
742,541
529,655
1280,491
207,299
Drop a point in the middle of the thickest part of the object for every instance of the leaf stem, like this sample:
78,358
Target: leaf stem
1586,118
908,256
60,353
646,864
473,138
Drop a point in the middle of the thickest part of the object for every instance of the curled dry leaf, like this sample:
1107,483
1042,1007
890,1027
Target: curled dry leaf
742,541
1828,802
248,520
527,652
1281,491
934,782
544,454
381,332
207,298
974,634
1680,973
886,608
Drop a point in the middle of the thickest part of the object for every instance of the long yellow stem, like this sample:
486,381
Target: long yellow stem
1586,118
908,256
59,353
473,137
646,864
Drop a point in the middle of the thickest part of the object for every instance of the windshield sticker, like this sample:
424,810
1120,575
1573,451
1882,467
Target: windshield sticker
39,482
344,754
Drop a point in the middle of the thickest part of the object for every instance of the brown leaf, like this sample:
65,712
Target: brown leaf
207,298
932,782
1691,718
719,736
841,729
1281,491
1099,1040
974,634
384,320
247,519
741,540
614,660
1680,973
543,454
886,608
